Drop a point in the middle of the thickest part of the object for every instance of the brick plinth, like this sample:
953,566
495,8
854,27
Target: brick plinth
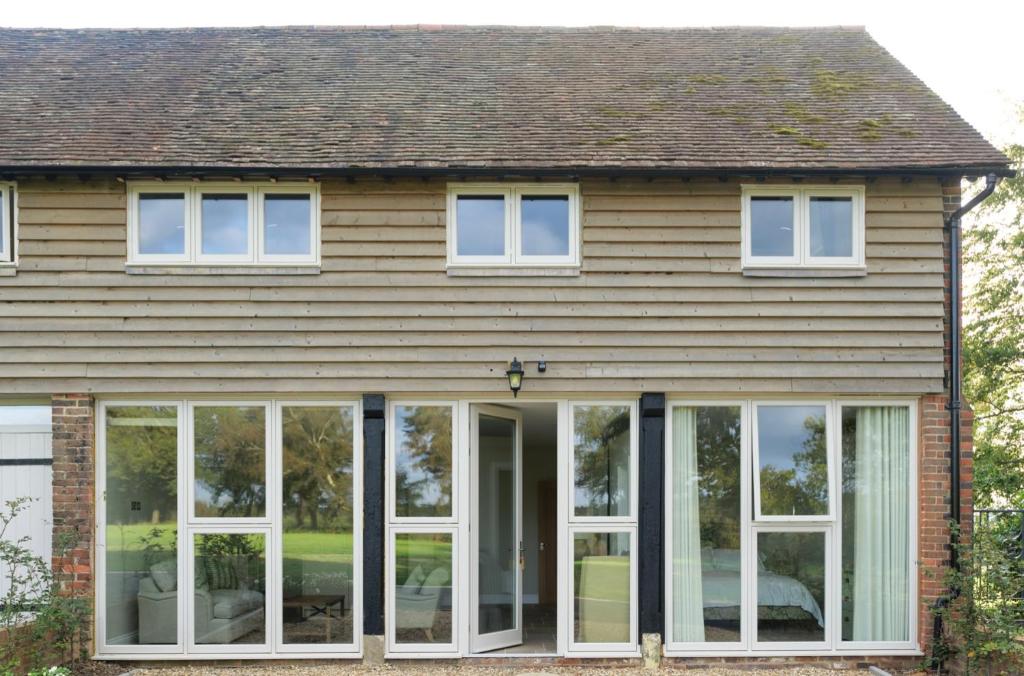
74,485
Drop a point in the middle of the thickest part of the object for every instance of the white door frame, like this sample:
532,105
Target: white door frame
482,643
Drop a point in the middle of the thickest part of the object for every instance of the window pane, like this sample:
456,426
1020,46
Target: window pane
480,220
790,586
142,525
230,588
225,224
286,220
601,587
318,527
161,223
876,522
793,455
230,452
771,226
601,447
545,225
423,461
832,226
706,524
423,597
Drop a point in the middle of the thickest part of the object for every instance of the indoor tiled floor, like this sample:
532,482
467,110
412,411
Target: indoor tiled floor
539,632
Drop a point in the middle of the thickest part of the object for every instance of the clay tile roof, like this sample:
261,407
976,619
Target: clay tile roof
445,98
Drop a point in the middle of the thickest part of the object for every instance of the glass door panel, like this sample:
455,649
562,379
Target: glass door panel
497,528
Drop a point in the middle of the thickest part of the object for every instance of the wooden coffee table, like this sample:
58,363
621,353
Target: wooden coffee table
320,605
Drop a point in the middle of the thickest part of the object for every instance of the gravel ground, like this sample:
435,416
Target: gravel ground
414,669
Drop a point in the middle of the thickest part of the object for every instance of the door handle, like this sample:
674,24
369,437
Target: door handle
522,556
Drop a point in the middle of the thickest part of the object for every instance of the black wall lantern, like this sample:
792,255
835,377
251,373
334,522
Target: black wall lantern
515,376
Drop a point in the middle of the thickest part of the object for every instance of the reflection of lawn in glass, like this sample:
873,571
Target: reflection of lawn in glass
126,545
315,552
429,554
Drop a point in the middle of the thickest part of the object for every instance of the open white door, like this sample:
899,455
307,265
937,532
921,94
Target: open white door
496,599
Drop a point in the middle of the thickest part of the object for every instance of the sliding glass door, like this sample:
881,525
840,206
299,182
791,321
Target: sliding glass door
790,526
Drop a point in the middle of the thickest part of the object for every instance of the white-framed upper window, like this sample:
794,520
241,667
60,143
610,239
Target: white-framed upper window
223,223
7,221
513,225
803,227
793,466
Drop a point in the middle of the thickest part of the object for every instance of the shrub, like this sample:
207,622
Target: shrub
39,623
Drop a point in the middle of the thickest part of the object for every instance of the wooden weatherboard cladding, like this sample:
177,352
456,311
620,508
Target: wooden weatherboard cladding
661,303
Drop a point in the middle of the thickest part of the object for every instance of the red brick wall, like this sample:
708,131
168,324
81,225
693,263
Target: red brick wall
74,486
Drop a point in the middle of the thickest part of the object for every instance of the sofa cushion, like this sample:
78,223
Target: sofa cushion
229,603
165,575
414,581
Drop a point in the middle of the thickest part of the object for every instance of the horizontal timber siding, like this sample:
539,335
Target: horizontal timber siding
660,305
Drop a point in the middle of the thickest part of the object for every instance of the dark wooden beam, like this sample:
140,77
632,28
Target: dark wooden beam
651,530
373,514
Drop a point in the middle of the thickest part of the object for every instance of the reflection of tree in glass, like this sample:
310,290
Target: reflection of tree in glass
718,464
601,447
241,552
317,470
142,464
423,461
230,446
803,488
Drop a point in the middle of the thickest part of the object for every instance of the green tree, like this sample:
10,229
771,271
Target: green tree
993,347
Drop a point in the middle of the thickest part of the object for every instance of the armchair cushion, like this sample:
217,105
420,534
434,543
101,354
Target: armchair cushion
165,575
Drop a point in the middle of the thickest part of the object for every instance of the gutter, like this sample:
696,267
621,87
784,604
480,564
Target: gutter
955,403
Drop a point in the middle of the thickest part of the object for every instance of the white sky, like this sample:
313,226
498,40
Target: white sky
968,52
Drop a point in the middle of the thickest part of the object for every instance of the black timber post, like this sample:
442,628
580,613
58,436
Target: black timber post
373,514
652,509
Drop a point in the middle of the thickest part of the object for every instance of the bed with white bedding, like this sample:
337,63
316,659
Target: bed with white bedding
720,586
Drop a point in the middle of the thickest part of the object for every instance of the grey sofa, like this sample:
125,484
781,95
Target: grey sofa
221,615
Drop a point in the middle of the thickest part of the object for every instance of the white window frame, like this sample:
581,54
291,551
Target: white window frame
413,650
830,450
355,603
271,527
9,223
745,521
116,649
582,649
269,464
830,615
513,256
134,237
834,644
193,255
271,588
314,224
801,257
391,439
204,189
634,464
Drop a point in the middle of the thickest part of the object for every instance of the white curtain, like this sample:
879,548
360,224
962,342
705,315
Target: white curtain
881,574
687,596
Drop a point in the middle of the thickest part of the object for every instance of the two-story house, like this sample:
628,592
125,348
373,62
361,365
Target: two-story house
447,342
